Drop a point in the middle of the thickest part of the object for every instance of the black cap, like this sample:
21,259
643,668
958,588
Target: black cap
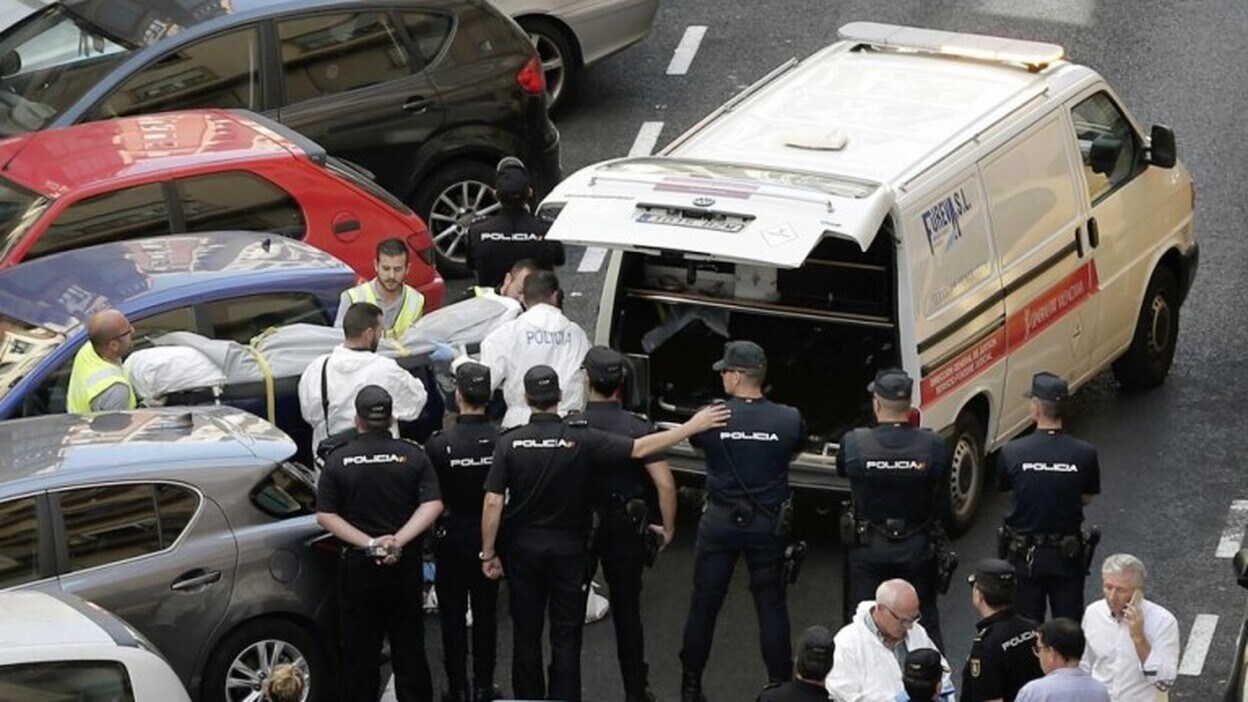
993,574
1048,387
892,384
604,364
923,665
473,379
373,403
511,178
541,386
815,648
741,355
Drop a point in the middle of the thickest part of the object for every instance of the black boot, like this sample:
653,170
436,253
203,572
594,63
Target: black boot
691,687
455,696
486,693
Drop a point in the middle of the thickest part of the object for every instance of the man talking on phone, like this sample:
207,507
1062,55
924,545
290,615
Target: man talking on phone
1133,644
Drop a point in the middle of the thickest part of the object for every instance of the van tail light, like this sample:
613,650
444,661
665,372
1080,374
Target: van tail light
531,78
423,251
914,416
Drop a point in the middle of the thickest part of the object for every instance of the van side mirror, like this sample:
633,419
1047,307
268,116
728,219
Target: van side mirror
1241,567
1161,150
1103,157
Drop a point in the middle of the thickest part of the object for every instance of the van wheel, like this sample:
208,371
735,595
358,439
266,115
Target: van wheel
449,200
966,471
245,659
1147,361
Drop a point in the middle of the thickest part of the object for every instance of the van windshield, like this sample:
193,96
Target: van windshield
830,185
22,347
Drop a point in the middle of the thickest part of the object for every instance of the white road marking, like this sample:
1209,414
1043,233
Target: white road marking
1198,644
1233,535
686,50
643,145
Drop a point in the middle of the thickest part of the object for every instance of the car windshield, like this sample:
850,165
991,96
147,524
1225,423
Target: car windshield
47,64
19,208
22,347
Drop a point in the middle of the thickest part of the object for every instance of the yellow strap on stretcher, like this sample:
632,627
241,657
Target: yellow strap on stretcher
270,400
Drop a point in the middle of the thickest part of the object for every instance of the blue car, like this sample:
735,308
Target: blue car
224,285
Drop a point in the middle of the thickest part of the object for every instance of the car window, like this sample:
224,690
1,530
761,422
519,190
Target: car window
175,506
242,318
288,491
19,542
109,523
120,215
152,326
429,32
1110,150
23,347
81,681
237,200
330,54
221,71
478,36
19,208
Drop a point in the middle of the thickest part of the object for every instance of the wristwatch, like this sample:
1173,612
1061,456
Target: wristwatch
371,543
483,557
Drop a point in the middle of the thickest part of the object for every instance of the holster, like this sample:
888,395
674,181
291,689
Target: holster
848,525
946,559
1090,537
784,519
791,566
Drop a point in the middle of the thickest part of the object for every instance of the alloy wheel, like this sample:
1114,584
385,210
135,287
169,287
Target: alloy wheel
254,664
453,212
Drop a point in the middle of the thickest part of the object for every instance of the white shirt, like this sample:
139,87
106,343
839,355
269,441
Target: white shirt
540,336
347,371
864,670
1111,658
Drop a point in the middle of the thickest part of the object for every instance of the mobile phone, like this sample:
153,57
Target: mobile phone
1137,598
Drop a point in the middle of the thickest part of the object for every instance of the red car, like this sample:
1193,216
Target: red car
204,170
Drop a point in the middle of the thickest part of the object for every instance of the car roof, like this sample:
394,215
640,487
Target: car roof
54,162
71,447
34,618
60,291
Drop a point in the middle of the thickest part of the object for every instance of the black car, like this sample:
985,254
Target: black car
426,94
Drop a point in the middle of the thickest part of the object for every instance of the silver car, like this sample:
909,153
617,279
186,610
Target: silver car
571,35
192,525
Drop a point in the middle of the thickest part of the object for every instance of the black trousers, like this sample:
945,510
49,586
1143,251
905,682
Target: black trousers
376,602
622,554
546,572
720,542
1053,580
911,559
459,580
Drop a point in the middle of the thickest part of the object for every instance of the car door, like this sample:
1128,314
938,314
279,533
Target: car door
27,559
158,554
353,82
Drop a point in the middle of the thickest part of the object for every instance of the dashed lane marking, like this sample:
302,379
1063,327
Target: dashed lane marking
686,50
643,145
1233,534
1198,641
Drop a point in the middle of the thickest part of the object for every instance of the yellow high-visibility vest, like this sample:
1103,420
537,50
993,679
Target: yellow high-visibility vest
91,376
411,307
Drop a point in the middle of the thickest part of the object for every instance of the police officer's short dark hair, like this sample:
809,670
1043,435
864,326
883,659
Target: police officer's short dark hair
1050,409
1064,636
996,597
360,317
393,246
539,286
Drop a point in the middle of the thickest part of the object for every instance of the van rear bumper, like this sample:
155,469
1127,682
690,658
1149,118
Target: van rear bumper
815,473
1191,261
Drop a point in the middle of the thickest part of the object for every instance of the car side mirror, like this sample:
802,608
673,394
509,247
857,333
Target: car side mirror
1104,155
1241,567
10,64
1161,149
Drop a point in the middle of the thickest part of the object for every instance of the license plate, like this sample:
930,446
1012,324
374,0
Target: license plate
675,220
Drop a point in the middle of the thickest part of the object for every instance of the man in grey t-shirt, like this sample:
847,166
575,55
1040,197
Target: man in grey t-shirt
1059,645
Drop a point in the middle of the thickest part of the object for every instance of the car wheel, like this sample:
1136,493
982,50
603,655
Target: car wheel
966,471
449,201
559,61
1147,361
245,659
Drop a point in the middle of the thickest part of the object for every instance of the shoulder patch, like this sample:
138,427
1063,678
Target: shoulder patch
576,422
974,667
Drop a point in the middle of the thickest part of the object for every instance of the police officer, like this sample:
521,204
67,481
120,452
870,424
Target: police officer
748,507
624,518
378,494
1001,659
462,456
98,383
545,468
400,303
1052,476
896,474
495,243
815,649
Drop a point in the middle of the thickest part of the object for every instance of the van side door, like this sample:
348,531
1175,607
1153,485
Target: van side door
1037,226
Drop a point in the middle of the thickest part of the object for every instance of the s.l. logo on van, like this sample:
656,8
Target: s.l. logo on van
942,222
703,201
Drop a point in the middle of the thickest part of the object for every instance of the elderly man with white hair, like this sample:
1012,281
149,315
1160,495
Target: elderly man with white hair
871,649
1133,644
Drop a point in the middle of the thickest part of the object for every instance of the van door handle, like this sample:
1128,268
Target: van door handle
1079,241
1094,233
195,579
417,105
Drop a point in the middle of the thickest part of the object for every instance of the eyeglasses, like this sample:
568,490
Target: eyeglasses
907,622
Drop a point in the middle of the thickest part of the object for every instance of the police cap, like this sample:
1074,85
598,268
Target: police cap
473,381
511,178
892,384
541,385
923,665
1048,387
815,648
741,355
605,364
373,403
993,574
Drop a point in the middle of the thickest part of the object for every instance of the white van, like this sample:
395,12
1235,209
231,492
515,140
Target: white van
970,208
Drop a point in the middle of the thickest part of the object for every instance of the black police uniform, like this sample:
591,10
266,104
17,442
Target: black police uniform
741,518
896,472
618,544
545,467
496,243
462,456
1049,472
794,691
376,483
1001,659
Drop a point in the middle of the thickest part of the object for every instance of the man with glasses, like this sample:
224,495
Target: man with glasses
98,383
1059,646
871,650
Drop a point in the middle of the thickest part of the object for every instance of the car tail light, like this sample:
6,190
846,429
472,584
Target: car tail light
914,416
531,78
423,251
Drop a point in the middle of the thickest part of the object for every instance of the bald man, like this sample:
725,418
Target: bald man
98,383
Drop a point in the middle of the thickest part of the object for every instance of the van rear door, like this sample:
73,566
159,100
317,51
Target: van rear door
725,212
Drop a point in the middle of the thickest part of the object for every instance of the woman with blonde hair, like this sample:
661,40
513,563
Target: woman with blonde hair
284,685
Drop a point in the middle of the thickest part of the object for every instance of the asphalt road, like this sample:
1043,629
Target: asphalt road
1172,459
